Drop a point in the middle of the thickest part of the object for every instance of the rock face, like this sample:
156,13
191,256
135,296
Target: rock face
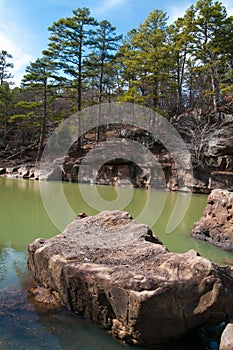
216,224
221,141
115,272
227,338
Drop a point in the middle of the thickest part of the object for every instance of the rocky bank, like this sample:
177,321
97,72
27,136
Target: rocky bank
210,145
216,224
115,272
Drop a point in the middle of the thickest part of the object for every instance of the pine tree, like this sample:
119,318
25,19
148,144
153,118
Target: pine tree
104,44
6,95
6,106
39,78
147,63
4,66
210,18
225,41
68,45
180,48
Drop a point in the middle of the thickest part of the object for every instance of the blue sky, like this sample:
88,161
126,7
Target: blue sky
24,23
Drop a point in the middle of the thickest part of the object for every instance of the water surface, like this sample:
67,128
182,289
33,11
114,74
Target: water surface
24,218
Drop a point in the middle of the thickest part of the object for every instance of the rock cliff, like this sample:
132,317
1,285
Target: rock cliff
115,272
210,146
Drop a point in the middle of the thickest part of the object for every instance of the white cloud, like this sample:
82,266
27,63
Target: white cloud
177,11
107,5
20,58
16,41
229,6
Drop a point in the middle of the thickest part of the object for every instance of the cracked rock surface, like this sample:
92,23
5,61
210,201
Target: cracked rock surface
115,272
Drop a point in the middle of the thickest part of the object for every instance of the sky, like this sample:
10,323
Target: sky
24,23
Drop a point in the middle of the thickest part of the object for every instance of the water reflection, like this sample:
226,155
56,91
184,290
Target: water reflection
23,325
23,218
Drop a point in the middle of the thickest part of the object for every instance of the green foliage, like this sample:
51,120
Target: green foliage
144,59
28,105
4,66
6,99
186,65
102,60
22,117
68,44
132,95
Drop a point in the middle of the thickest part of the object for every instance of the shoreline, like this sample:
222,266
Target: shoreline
65,173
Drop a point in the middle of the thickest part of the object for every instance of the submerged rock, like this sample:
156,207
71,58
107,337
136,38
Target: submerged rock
115,272
216,224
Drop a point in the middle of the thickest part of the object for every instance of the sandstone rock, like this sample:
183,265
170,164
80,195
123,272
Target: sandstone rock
23,171
115,272
2,171
52,174
44,299
32,172
226,342
216,224
221,140
221,179
12,170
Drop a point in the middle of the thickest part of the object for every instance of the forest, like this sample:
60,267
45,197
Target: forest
170,68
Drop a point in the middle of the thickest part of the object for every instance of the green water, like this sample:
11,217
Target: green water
23,218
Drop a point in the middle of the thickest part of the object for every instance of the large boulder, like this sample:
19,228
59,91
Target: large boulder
216,224
115,272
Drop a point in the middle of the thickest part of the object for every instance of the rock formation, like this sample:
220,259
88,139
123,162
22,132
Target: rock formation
208,140
216,224
221,141
115,272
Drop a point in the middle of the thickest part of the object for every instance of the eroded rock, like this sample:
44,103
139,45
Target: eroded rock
216,224
44,299
115,272
221,140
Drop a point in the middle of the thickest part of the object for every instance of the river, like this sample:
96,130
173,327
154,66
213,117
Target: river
24,217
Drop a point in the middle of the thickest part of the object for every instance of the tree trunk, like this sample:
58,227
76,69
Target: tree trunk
43,124
215,89
79,102
97,134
